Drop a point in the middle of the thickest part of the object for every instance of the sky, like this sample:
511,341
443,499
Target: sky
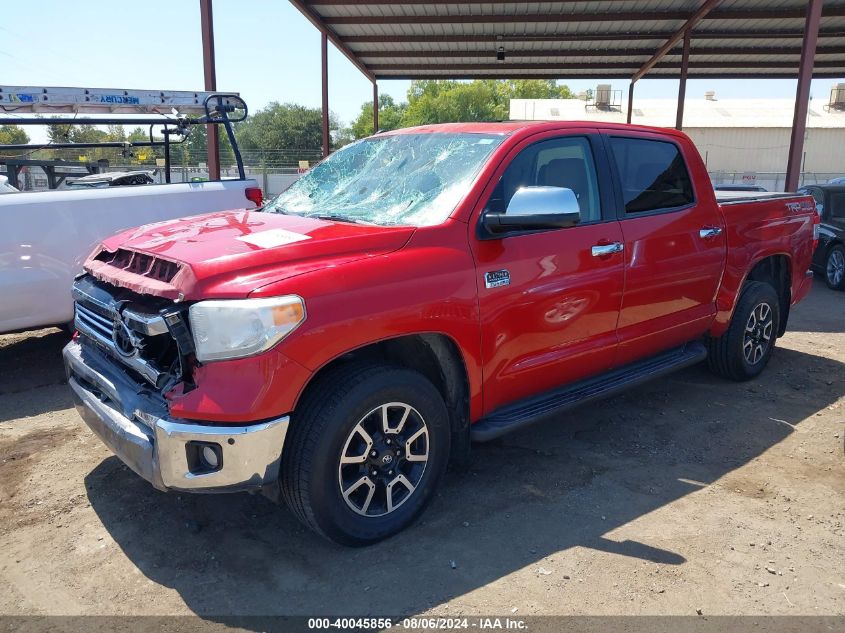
266,50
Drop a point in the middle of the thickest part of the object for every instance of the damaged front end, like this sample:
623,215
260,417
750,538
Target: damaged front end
148,335
131,352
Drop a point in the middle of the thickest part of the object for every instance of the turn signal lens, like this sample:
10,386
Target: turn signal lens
290,314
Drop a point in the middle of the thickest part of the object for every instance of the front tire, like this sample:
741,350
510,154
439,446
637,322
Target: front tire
743,351
834,268
367,447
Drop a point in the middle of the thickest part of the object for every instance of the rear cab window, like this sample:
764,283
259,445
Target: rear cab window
652,174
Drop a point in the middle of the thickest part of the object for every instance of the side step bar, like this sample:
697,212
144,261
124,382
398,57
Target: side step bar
527,412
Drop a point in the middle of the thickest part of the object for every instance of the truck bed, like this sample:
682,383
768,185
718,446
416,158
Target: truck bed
45,237
734,197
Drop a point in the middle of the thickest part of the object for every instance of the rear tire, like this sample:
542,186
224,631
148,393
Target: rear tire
366,449
743,351
834,268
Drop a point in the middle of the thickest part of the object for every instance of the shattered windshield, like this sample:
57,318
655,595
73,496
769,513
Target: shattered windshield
409,179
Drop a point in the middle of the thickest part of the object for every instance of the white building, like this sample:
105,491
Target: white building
741,140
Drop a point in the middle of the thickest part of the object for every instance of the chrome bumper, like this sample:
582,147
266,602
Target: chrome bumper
133,422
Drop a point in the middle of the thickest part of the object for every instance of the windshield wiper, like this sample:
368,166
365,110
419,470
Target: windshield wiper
336,218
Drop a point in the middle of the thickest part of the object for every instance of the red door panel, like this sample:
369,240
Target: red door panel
673,267
556,320
552,317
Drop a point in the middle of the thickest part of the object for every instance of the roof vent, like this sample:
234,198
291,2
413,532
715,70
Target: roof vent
603,94
837,97
604,98
710,95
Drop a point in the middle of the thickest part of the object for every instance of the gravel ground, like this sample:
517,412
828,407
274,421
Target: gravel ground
690,493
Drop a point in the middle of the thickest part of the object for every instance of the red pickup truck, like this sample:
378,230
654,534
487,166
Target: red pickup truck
418,290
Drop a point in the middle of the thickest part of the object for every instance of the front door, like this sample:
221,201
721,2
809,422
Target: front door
548,304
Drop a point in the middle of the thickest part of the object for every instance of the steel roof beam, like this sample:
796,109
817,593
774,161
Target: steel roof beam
505,67
695,18
319,22
210,76
837,74
609,16
802,95
437,3
613,52
324,80
586,37
682,88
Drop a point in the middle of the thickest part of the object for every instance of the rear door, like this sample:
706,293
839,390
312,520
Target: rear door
548,305
674,245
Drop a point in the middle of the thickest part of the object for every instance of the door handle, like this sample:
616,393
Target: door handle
600,250
709,232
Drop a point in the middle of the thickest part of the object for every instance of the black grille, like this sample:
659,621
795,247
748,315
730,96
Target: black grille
140,264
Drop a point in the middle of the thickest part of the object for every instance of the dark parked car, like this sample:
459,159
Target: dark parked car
829,258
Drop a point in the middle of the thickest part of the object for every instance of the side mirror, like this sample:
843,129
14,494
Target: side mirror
535,208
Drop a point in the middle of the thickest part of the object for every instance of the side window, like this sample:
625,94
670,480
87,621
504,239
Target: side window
652,173
561,162
837,206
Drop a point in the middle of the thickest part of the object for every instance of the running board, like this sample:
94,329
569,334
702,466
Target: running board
527,412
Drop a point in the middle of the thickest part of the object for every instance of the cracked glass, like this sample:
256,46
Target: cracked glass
397,179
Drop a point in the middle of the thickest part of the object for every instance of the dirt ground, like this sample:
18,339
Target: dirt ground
688,493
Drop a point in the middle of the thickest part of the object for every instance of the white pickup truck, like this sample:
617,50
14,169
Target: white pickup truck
46,236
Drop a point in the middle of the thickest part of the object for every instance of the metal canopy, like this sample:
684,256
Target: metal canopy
597,39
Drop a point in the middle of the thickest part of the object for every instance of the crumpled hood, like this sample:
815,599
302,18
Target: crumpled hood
230,254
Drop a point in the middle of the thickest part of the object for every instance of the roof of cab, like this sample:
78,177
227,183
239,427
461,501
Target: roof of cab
507,128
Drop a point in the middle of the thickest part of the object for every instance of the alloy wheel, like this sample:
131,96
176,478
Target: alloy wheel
383,459
835,267
758,333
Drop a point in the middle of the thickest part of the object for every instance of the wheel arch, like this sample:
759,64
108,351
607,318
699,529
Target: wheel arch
834,241
433,354
776,270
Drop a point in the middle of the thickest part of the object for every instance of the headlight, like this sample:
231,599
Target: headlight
234,328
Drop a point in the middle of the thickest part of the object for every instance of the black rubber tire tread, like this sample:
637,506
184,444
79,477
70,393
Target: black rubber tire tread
724,354
311,424
299,445
841,285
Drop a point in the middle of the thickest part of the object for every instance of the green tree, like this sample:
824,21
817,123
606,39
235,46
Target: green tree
115,133
59,132
533,89
443,101
87,134
13,135
289,130
343,136
389,116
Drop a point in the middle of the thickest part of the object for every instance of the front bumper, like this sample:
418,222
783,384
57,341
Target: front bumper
132,420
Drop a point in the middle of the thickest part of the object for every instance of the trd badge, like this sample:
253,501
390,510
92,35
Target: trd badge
497,278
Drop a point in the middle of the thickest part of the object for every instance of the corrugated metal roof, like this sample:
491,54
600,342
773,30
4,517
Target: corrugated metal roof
698,113
573,38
